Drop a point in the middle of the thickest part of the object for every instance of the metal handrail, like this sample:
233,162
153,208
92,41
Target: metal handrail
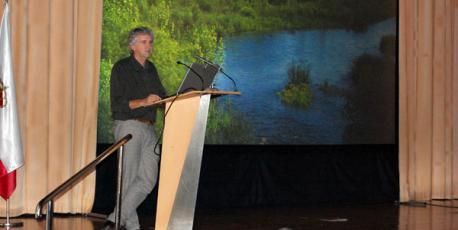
64,187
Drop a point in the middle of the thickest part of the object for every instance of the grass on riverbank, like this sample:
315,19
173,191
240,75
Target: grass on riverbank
235,17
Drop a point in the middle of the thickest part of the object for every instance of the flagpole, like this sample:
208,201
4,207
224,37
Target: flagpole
8,224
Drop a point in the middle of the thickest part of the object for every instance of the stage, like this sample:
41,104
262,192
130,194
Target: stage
438,215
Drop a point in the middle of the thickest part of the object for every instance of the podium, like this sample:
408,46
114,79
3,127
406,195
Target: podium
181,157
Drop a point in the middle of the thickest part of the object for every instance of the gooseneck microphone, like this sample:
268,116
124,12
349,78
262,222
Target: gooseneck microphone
206,61
195,72
233,82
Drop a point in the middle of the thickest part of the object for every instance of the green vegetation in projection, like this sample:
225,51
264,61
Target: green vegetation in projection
237,16
104,122
368,100
297,91
170,45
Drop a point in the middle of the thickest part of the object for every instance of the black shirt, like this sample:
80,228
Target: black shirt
130,80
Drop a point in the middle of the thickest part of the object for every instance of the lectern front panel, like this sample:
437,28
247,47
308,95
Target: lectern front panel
183,141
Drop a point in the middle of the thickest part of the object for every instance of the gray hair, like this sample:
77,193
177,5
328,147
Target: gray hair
138,31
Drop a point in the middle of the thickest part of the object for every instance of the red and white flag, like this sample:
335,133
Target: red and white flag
11,157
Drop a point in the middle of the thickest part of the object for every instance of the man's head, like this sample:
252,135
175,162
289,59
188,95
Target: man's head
141,42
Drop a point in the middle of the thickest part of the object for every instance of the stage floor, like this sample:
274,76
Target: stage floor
438,215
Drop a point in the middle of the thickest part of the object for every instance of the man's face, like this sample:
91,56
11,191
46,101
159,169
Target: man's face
143,46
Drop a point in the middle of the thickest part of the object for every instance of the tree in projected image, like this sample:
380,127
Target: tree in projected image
171,44
371,106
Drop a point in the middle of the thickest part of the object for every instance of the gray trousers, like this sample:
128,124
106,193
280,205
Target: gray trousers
140,169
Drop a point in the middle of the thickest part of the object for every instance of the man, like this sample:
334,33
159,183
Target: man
134,86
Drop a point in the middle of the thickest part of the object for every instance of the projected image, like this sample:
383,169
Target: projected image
310,72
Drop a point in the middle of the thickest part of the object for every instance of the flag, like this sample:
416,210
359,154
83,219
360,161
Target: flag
10,143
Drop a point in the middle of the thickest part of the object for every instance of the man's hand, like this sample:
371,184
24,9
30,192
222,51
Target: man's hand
151,99
147,101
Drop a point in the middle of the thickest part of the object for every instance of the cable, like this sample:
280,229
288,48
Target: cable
177,93
414,203
441,205
162,131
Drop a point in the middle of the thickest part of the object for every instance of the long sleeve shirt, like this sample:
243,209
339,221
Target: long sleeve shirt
129,81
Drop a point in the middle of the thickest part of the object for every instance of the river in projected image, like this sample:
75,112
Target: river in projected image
259,64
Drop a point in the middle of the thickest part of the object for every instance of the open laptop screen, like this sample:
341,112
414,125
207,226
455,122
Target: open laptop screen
200,79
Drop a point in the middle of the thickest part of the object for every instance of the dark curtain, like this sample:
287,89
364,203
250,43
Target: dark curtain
266,175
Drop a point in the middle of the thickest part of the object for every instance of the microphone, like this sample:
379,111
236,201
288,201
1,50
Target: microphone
207,62
230,78
195,72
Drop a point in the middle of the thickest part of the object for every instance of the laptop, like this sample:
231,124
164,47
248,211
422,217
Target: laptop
200,79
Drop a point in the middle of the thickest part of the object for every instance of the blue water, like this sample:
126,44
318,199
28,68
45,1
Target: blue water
259,65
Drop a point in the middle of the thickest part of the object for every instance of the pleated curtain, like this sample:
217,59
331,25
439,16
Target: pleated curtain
56,54
428,99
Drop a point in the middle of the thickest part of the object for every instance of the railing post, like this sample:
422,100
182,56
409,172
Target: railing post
49,215
64,187
119,188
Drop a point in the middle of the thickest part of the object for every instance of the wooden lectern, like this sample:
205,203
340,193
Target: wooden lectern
182,146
